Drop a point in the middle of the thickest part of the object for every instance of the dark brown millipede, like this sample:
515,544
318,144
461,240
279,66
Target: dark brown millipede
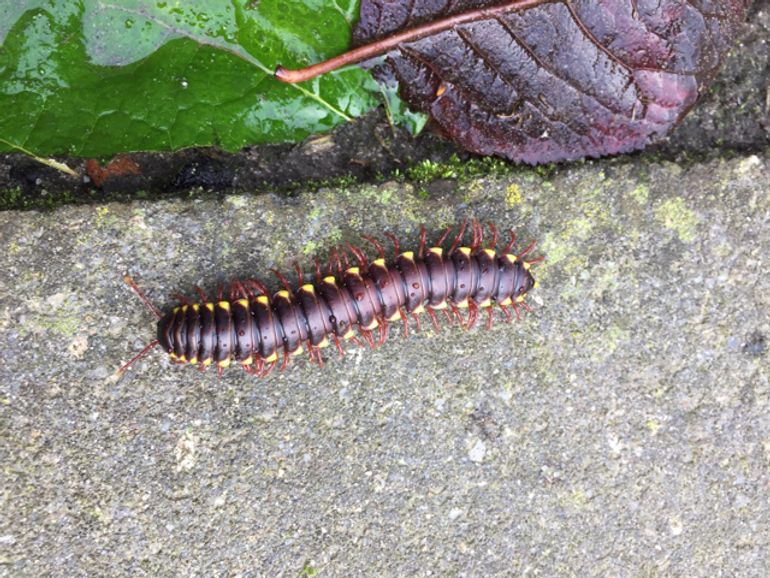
251,327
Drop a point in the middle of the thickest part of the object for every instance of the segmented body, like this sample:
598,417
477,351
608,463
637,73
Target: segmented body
253,329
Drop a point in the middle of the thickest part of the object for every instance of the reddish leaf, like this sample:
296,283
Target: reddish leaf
540,81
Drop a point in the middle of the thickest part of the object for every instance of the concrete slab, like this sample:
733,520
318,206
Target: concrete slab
620,430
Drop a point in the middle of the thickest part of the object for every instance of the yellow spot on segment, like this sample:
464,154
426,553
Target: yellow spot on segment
272,358
194,360
418,309
486,303
520,298
210,307
463,304
526,265
242,303
207,361
436,250
172,355
353,270
184,309
309,288
438,306
441,89
379,262
511,258
408,255
182,359
224,305
225,362
248,361
323,343
490,253
348,335
373,325
395,317
297,351
196,307
465,250
176,309
263,299
506,301
536,285
330,279
284,294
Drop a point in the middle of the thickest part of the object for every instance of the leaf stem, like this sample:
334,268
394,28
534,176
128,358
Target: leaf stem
49,162
385,45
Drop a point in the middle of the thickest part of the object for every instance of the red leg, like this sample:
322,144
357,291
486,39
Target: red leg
535,261
245,291
220,293
181,299
433,318
507,313
516,309
459,237
443,237
524,304
494,236
202,295
457,313
367,335
259,286
285,360
310,351
142,354
472,314
509,245
299,274
406,325
489,325
422,240
449,317
284,282
527,250
395,242
339,263
339,345
356,341
361,256
374,242
269,369
318,272
142,297
417,319
383,330
345,258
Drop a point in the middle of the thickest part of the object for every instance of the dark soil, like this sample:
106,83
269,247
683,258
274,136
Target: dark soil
733,117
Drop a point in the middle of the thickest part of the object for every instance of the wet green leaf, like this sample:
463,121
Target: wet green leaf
93,78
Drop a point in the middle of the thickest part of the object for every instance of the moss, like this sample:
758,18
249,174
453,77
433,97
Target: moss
674,214
640,194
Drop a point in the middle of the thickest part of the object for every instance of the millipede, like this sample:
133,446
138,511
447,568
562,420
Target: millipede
251,327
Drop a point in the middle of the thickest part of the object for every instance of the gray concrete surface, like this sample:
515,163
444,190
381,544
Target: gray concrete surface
620,430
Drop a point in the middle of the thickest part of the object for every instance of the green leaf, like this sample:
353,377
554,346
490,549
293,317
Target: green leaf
94,78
